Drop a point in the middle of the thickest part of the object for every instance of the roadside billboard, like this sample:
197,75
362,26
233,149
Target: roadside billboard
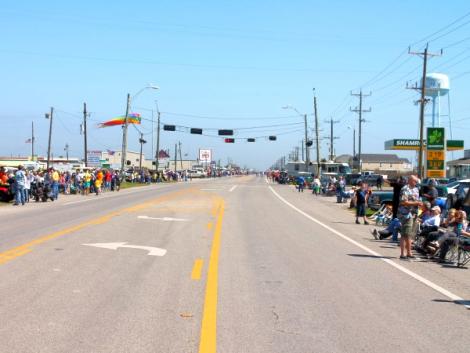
93,159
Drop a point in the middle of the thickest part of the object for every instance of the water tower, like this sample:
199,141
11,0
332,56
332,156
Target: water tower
437,85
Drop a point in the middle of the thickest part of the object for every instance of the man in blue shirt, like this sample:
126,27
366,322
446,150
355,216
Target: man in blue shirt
19,186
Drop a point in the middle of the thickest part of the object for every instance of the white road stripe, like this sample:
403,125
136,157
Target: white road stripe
233,188
410,273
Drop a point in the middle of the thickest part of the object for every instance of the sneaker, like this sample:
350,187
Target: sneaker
357,222
366,223
403,257
410,257
375,234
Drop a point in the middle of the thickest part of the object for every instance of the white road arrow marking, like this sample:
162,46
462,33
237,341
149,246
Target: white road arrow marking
165,219
152,251
233,188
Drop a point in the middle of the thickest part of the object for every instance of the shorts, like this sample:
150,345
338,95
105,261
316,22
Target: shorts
407,227
361,210
86,184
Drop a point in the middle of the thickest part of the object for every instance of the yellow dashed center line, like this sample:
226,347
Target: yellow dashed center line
197,270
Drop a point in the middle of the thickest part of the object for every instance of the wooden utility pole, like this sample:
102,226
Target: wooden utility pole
422,102
176,154
181,157
124,134
317,138
50,117
85,142
360,111
332,137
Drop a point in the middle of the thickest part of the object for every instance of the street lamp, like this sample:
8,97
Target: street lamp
126,123
307,152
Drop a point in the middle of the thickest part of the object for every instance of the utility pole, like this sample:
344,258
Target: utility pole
124,134
354,142
157,152
32,141
50,117
317,138
66,149
422,102
332,137
85,143
141,141
176,154
307,157
360,111
181,157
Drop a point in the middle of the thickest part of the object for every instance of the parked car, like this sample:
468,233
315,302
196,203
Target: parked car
353,178
452,187
371,179
460,198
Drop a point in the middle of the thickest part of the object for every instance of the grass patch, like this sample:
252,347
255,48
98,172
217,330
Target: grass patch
127,185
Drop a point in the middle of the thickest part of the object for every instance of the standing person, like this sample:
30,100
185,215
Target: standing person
86,182
19,185
316,185
380,181
29,177
409,204
361,195
432,194
301,183
55,183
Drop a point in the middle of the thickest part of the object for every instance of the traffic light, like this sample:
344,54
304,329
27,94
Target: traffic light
309,143
250,140
229,140
272,138
196,131
225,132
169,127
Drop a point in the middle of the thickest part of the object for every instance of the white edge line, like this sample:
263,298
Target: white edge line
410,273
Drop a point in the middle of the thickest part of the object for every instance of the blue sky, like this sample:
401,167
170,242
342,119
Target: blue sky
236,62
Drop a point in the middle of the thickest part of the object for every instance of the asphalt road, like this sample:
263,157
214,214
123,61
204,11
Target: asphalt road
230,265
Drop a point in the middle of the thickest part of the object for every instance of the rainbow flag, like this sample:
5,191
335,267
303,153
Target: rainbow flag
132,118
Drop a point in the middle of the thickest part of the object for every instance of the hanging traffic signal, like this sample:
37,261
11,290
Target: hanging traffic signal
196,131
229,140
309,143
169,127
250,140
225,132
272,138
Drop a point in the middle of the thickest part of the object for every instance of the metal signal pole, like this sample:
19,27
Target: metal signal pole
317,138
49,116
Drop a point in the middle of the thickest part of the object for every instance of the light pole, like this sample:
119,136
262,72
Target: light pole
354,139
307,152
126,124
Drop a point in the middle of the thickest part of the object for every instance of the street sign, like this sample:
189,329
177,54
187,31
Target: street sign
435,152
205,155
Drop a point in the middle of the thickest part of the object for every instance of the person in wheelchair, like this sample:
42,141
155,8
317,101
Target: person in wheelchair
460,236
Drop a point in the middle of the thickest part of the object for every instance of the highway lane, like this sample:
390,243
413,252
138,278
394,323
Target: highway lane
243,272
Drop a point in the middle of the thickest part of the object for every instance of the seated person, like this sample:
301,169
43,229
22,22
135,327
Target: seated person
392,230
433,235
460,235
